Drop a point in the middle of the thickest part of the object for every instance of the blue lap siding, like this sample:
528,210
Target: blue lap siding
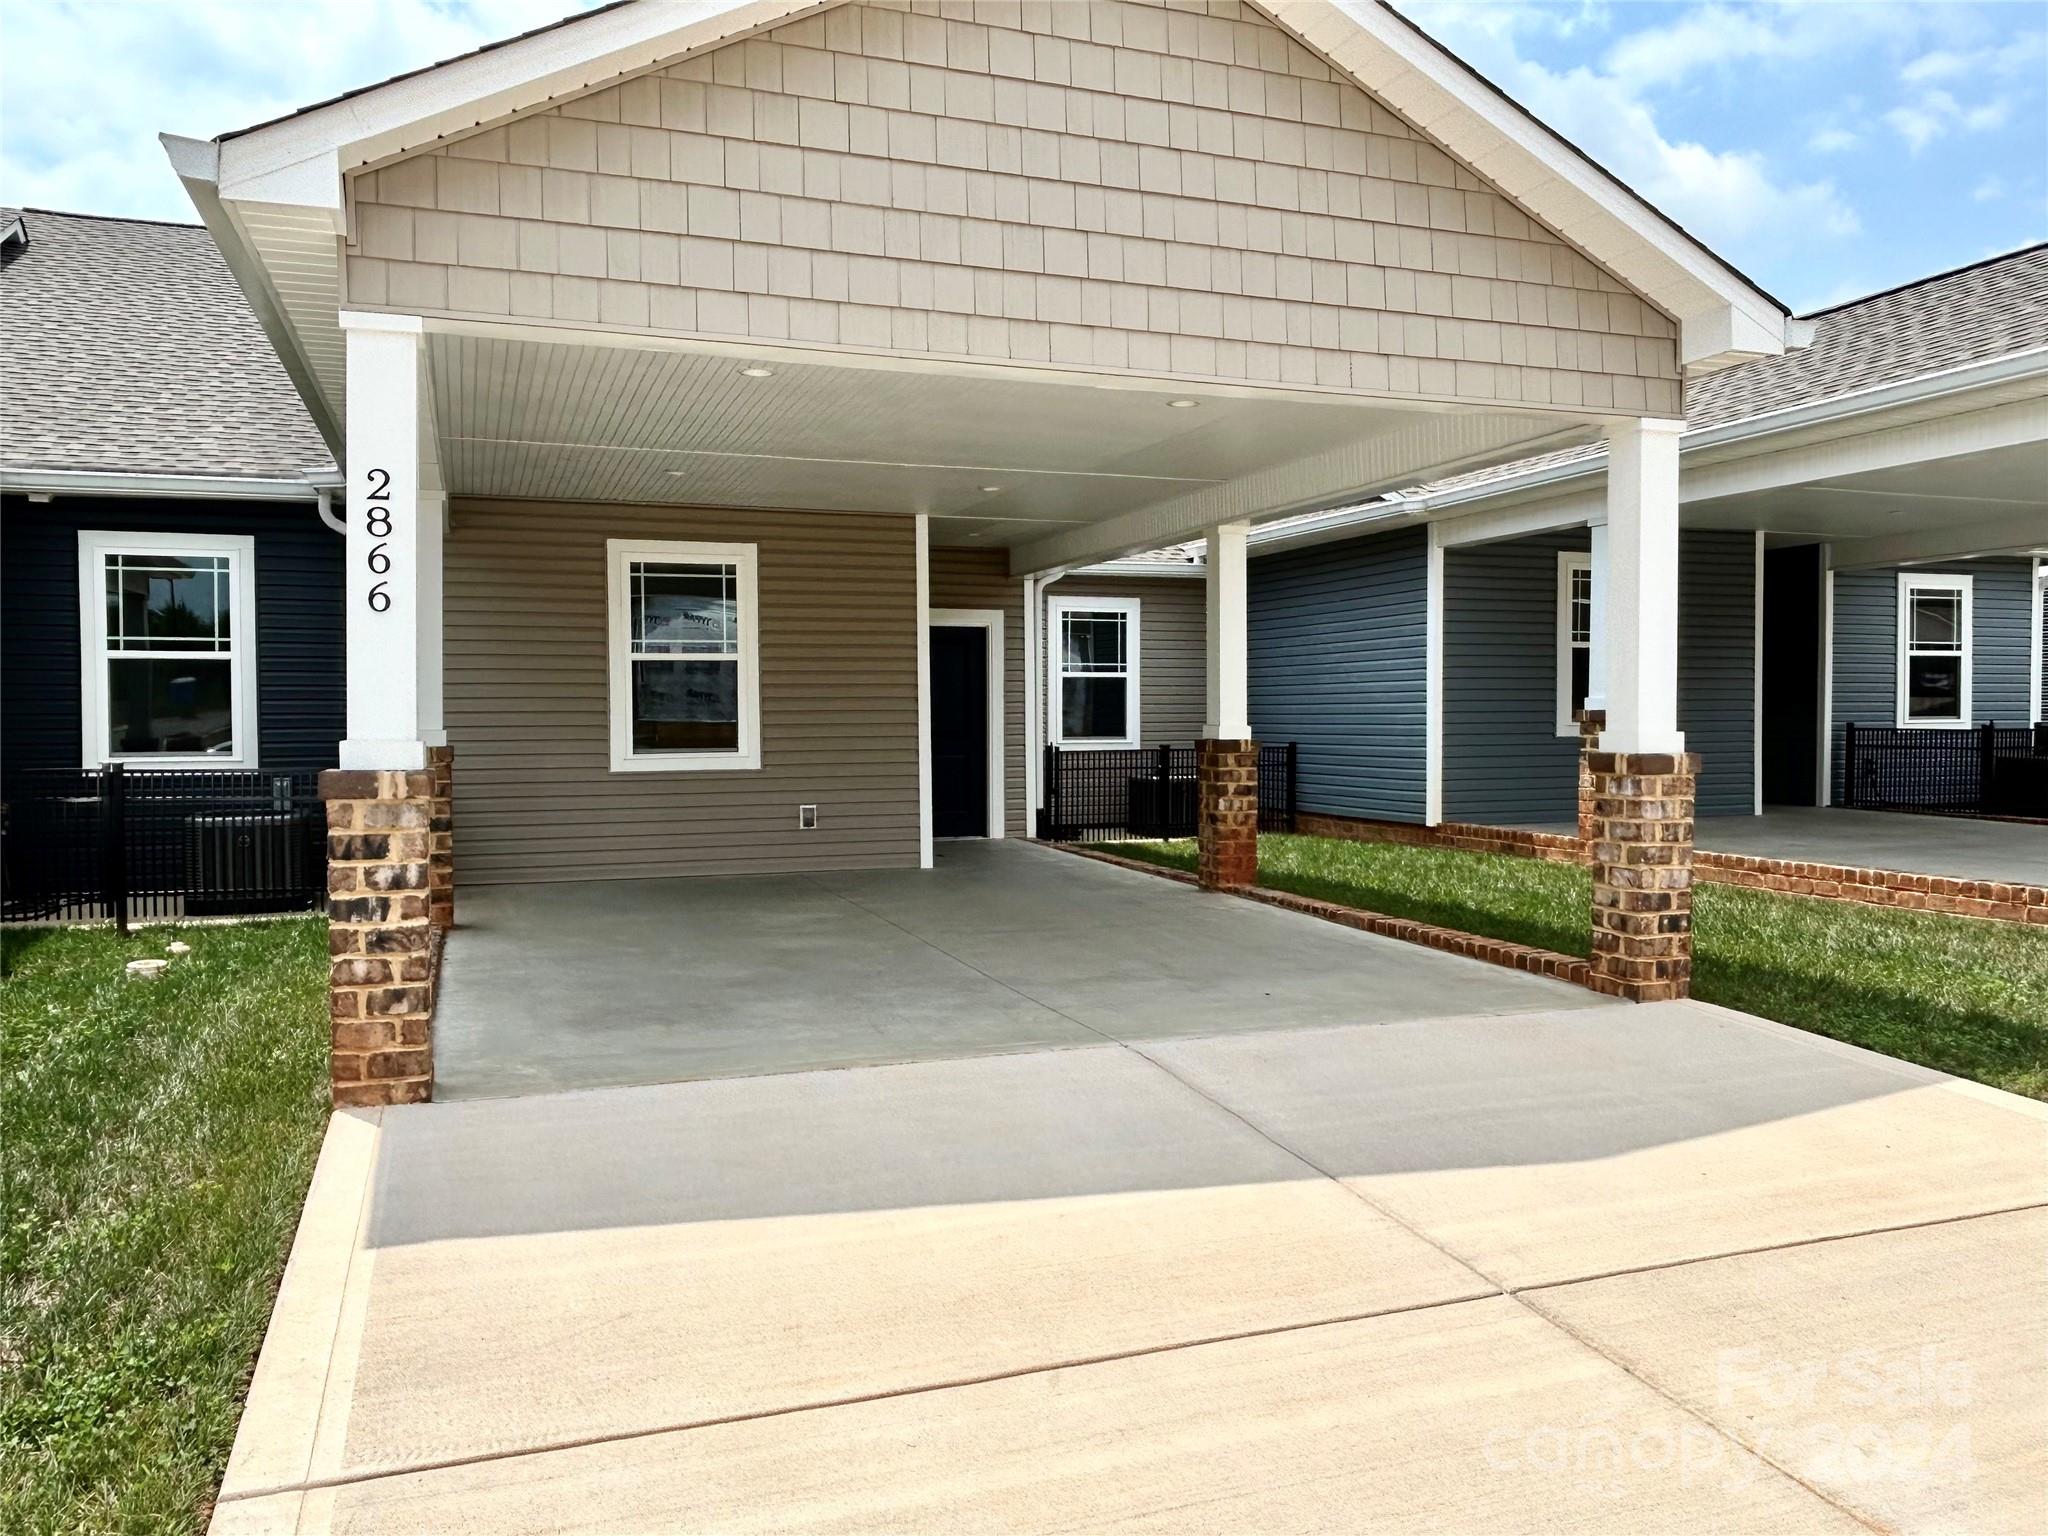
1504,760
1337,640
301,704
1866,647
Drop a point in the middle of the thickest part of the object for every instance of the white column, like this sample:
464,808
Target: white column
1642,587
1433,680
384,545
1229,715
924,693
1596,652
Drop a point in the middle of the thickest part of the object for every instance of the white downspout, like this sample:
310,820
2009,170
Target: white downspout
323,499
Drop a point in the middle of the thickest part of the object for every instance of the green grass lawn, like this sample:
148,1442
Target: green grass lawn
158,1140
1966,996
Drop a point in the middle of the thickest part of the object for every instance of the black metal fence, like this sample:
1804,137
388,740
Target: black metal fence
1106,793
119,842
1979,770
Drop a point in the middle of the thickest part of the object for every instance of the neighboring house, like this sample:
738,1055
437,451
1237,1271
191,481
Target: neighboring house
1862,530
170,594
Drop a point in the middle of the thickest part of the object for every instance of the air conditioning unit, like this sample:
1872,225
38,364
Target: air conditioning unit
250,863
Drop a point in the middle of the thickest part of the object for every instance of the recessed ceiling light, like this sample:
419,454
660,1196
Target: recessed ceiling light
991,488
757,373
1183,405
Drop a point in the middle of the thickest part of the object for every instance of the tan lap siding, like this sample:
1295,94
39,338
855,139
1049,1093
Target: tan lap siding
526,681
980,578
1172,614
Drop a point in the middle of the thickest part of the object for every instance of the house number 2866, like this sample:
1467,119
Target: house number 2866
377,522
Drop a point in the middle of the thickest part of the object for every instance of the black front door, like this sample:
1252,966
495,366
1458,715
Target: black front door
1792,668
959,731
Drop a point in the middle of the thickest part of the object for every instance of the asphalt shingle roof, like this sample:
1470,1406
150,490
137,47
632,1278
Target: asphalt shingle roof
1973,315
126,346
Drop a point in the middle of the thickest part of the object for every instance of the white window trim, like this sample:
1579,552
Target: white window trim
619,554
96,738
1055,645
991,621
1930,581
1568,561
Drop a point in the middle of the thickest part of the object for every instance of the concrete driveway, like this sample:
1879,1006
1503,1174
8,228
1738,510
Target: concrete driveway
1610,1269
1004,946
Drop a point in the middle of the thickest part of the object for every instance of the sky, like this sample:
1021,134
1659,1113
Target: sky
1827,148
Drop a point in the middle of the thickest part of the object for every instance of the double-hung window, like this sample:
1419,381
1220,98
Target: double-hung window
1934,649
167,634
1574,638
1095,671
685,656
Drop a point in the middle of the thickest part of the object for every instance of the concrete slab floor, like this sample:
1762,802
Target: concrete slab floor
1284,1281
1957,846
1004,946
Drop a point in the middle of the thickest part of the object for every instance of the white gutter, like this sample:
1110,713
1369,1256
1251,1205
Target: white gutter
1139,568
2017,367
87,482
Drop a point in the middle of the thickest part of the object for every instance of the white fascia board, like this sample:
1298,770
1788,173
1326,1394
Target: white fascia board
1122,568
90,482
2017,536
1722,316
312,150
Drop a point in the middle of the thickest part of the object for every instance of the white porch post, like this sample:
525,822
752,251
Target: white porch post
1641,590
924,692
1596,651
384,583
1226,759
1228,717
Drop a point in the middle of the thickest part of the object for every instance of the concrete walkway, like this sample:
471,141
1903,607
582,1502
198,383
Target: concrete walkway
1608,1269
1004,946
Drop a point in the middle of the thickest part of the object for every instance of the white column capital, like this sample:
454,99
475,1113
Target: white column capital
352,320
1228,715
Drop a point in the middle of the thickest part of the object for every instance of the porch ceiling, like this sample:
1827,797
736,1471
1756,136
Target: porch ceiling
1052,467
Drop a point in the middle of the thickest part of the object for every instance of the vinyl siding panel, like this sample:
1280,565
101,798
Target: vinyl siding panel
1503,758
980,578
1866,648
1337,644
300,687
1173,616
535,798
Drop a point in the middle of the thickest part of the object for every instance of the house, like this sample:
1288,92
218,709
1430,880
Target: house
1861,532
690,365
171,594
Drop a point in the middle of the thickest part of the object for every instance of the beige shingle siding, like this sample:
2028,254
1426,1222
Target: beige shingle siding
1112,185
980,578
526,697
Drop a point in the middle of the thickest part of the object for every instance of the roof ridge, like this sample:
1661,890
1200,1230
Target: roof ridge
111,218
1933,277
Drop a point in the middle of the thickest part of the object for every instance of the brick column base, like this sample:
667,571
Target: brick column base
441,846
379,941
1641,854
1591,723
1227,791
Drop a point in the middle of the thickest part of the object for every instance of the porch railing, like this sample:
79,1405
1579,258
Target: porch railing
117,843
1987,770
1107,793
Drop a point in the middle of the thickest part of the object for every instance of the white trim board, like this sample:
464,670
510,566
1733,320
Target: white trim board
1756,690
1570,561
1433,682
991,620
923,556
94,545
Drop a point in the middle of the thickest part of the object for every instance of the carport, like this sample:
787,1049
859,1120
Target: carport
1000,947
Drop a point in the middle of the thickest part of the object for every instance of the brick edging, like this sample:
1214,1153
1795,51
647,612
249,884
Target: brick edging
1995,900
1515,957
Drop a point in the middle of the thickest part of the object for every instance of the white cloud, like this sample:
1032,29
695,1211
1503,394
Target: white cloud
1726,196
89,84
1832,141
1936,112
1989,190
